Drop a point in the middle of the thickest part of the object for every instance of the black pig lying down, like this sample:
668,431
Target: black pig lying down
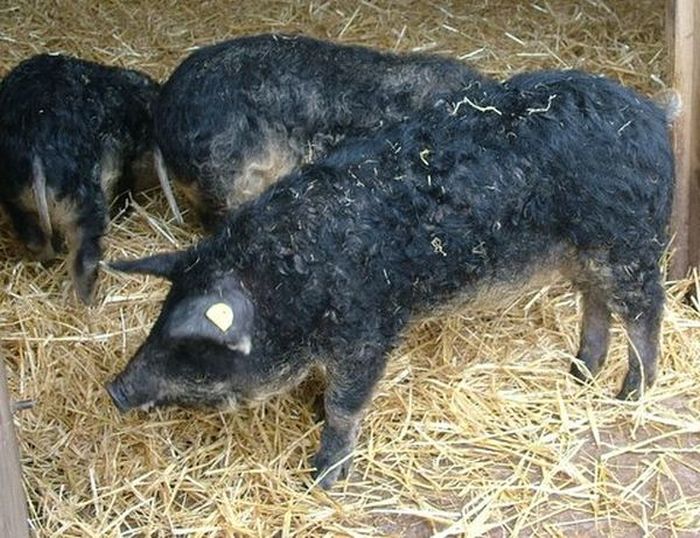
236,116
550,171
73,134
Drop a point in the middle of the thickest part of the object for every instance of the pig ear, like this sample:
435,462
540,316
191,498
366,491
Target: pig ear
225,318
162,265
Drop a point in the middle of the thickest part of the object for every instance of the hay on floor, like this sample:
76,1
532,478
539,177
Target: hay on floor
476,428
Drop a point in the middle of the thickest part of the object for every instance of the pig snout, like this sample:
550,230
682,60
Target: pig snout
116,391
127,395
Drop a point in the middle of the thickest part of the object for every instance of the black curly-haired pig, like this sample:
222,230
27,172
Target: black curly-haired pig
73,133
236,116
548,172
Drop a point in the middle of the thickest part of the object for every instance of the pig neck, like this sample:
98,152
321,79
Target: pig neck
288,297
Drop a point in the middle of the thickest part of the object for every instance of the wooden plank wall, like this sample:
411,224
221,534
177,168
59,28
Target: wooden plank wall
683,27
13,510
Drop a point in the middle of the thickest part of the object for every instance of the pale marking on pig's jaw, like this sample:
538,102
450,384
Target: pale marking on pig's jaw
218,395
221,315
147,406
229,404
244,345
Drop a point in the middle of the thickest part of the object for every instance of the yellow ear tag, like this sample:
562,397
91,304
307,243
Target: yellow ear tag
221,315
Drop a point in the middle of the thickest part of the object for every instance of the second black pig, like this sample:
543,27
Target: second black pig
71,134
550,172
236,116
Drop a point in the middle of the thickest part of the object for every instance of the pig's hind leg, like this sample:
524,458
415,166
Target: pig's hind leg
595,334
84,235
639,298
629,285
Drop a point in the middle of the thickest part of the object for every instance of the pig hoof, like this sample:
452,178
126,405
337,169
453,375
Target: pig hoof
628,393
634,386
47,263
581,375
328,470
44,254
85,285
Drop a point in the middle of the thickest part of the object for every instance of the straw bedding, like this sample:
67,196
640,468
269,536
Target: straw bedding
476,428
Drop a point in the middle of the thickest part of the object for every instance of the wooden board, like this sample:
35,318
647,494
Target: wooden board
13,510
683,24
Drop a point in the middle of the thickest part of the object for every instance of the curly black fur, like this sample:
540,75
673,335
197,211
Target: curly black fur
561,170
235,116
70,131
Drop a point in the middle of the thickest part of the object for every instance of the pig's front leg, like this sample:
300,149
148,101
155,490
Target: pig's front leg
350,382
84,237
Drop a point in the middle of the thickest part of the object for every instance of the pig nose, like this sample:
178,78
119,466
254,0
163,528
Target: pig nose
115,389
